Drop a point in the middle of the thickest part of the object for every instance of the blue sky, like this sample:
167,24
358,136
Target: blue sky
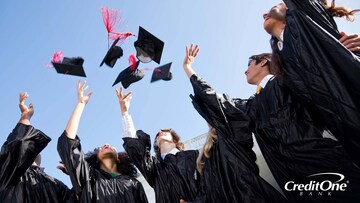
31,31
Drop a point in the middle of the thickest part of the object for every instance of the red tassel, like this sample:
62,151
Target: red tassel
132,61
110,17
57,57
122,35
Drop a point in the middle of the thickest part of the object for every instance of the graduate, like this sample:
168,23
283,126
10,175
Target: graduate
297,149
317,68
172,171
103,175
21,177
227,162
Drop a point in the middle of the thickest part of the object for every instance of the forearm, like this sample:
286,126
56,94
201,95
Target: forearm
128,126
189,70
73,123
24,120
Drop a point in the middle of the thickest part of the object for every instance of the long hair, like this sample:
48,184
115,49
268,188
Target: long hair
337,11
124,165
176,138
210,139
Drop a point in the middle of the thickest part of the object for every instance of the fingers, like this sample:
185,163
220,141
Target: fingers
192,51
196,51
355,49
127,96
89,94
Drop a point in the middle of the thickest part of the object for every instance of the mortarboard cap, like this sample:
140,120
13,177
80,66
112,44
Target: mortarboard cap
70,66
162,73
112,54
128,76
148,47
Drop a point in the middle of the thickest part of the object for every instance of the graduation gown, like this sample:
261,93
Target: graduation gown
294,148
321,72
230,174
173,178
95,185
19,180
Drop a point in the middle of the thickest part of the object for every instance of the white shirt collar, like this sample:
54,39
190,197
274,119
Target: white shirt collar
265,80
280,43
173,152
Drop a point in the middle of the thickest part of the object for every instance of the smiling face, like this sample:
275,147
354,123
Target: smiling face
107,151
275,18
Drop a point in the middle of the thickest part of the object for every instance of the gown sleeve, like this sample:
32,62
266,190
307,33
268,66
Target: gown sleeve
138,150
321,73
74,160
19,151
315,11
220,111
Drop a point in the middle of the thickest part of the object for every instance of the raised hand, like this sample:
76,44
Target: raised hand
63,168
124,100
191,53
81,88
26,111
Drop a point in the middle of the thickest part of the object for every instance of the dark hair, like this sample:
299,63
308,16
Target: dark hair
269,58
124,166
276,66
176,138
340,11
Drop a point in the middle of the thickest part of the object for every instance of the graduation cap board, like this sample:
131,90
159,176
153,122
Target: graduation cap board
162,73
112,54
129,76
70,66
148,47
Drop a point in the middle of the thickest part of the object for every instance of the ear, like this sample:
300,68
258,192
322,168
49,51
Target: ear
263,63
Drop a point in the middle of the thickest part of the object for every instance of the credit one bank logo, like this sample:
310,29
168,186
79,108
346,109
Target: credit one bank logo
319,188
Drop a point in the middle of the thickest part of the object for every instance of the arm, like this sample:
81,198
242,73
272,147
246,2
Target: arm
128,124
69,147
138,150
218,110
21,147
73,123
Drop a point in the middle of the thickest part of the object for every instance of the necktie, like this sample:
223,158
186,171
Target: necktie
258,89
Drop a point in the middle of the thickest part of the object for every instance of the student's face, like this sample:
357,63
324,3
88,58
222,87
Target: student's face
275,18
164,135
253,73
107,151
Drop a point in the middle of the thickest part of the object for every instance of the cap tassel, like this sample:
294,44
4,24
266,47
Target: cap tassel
110,17
122,36
57,57
132,61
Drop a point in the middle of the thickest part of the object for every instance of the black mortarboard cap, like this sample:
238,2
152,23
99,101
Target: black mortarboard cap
162,73
148,47
112,54
128,76
70,66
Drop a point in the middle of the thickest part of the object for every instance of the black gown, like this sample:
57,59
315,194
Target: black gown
230,174
294,148
19,180
95,185
321,72
173,178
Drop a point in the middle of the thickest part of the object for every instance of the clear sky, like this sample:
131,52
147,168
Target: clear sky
228,32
